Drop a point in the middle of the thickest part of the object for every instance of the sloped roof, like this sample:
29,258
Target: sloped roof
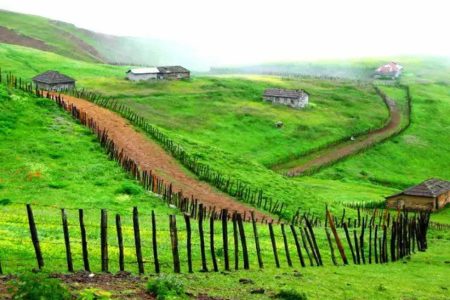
285,93
152,70
52,77
429,188
172,69
389,68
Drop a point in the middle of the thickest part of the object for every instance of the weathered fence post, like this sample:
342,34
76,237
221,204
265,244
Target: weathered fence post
211,241
274,245
349,241
330,244
255,233
154,243
297,245
174,243
202,238
137,240
286,246
120,243
243,241
67,240
34,237
84,241
104,239
336,237
187,220
236,242
225,239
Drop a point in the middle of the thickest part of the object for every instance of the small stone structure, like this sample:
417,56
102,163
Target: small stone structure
53,81
432,194
292,98
167,72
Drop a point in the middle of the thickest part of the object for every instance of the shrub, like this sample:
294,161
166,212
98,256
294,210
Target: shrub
291,295
128,189
166,287
38,287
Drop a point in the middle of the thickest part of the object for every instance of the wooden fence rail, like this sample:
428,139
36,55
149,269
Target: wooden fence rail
406,234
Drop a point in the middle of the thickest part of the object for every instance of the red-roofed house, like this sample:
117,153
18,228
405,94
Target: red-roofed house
389,70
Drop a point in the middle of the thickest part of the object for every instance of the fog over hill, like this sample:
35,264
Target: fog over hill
200,34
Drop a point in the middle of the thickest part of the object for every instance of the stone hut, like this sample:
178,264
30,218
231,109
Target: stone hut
174,72
167,72
292,98
53,81
432,194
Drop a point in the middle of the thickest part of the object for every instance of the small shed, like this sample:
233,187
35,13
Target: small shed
143,74
432,194
174,72
53,81
292,98
390,70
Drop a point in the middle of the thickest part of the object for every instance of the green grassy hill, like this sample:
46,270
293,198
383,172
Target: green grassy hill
224,122
70,41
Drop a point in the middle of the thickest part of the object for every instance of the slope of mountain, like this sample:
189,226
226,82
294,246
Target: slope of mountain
70,41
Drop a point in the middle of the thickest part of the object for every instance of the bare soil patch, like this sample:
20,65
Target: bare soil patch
9,36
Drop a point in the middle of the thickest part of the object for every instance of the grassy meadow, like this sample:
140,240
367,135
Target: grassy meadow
51,161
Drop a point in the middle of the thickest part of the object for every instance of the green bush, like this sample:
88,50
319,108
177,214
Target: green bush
291,295
166,287
128,189
38,287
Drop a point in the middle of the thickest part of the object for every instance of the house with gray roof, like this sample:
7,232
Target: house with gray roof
53,81
165,72
292,98
432,194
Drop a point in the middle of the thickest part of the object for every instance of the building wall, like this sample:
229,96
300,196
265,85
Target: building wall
55,87
175,75
411,202
443,200
138,77
292,102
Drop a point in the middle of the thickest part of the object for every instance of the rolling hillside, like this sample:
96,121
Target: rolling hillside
70,41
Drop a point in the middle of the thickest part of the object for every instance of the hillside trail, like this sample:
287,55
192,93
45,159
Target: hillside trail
149,155
332,154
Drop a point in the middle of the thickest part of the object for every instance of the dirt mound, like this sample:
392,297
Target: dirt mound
151,156
9,36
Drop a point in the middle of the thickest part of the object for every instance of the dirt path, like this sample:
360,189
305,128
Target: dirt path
150,156
332,154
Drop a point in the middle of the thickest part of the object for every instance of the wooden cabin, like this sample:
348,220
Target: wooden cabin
292,98
432,194
53,81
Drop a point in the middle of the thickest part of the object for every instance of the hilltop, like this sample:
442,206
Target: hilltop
68,40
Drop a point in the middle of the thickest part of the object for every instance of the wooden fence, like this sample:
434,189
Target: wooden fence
197,244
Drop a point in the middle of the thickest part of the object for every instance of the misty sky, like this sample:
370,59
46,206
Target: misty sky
244,32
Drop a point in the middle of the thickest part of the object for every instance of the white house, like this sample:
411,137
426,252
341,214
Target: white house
142,74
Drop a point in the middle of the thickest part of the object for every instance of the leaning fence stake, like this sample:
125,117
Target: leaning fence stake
34,237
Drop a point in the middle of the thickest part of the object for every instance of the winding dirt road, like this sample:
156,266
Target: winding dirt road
150,156
329,155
